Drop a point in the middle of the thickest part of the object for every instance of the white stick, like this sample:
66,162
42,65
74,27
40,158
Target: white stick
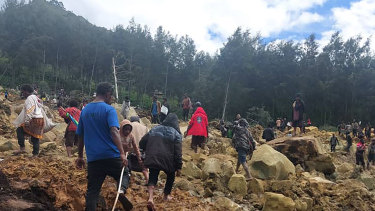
119,187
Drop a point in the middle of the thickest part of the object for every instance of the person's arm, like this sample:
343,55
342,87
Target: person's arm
115,134
178,153
80,162
137,152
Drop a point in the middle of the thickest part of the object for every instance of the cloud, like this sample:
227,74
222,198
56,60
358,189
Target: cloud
207,22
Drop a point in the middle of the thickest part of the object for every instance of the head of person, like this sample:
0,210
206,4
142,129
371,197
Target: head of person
104,90
238,116
26,90
298,98
154,98
172,121
333,135
198,104
73,103
126,128
165,100
127,99
243,123
362,140
269,125
134,119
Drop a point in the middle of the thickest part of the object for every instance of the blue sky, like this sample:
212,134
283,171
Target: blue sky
210,22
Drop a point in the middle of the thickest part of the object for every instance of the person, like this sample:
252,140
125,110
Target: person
131,146
333,141
244,144
349,141
355,127
297,114
31,121
341,128
309,122
139,130
223,128
284,123
163,149
164,109
125,108
371,154
238,117
368,132
359,154
186,106
98,132
71,139
278,124
268,134
198,129
6,94
155,110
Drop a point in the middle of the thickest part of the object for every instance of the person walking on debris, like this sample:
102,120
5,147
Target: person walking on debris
297,114
29,121
186,106
278,124
135,162
163,149
368,132
359,154
164,110
355,127
6,94
155,110
98,131
71,139
371,154
244,144
268,134
333,141
349,141
125,108
198,128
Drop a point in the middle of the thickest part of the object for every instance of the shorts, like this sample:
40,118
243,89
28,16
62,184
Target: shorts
242,154
297,123
198,141
71,139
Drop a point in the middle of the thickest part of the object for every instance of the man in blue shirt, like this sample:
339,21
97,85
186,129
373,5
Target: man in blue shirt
98,130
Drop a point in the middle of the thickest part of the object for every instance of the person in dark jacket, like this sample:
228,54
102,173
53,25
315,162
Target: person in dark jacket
359,154
333,141
244,144
349,141
297,114
163,149
268,134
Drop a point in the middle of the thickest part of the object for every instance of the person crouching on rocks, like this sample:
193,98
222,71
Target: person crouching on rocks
198,128
359,154
163,149
244,144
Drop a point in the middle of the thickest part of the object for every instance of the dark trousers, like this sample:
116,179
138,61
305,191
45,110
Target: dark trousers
153,180
333,148
155,119
97,172
185,114
21,140
162,117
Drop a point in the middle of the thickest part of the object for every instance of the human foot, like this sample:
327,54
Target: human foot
150,206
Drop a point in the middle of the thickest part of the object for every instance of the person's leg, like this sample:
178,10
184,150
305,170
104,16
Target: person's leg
152,182
95,178
169,185
238,166
194,143
35,142
69,142
21,139
157,119
246,168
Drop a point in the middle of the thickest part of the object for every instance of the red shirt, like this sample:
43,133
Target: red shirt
198,123
75,112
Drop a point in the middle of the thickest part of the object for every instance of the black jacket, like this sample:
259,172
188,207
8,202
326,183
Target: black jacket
163,146
268,134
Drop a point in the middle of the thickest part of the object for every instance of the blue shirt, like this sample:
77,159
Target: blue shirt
154,108
95,125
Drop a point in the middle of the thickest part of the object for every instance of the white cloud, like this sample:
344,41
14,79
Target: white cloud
196,17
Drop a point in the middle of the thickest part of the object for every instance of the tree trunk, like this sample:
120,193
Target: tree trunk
57,69
226,97
114,75
92,71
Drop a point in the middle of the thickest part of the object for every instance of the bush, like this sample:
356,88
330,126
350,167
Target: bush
257,115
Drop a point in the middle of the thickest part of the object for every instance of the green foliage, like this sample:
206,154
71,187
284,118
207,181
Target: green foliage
257,115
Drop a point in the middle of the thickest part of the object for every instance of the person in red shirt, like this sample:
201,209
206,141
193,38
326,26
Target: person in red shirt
198,128
71,139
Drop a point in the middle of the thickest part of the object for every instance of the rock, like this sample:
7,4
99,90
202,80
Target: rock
311,129
279,202
183,184
47,147
368,180
320,184
48,137
216,174
7,146
301,205
145,122
189,169
219,145
237,184
223,203
211,168
322,163
255,186
298,149
268,163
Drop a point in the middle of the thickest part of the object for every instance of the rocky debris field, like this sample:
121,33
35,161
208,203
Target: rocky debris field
296,173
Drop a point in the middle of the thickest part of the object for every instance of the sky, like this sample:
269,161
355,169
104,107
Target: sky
210,22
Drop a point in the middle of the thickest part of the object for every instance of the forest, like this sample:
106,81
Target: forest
43,44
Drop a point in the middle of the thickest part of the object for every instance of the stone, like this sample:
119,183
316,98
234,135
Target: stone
47,147
255,186
145,122
48,137
184,185
268,163
211,167
322,163
237,184
298,149
368,180
7,146
320,184
189,169
311,129
223,203
279,202
301,205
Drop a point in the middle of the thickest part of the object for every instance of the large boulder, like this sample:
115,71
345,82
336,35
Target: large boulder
298,149
322,163
279,202
237,184
223,203
189,169
48,137
7,146
368,180
268,163
216,174
255,186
